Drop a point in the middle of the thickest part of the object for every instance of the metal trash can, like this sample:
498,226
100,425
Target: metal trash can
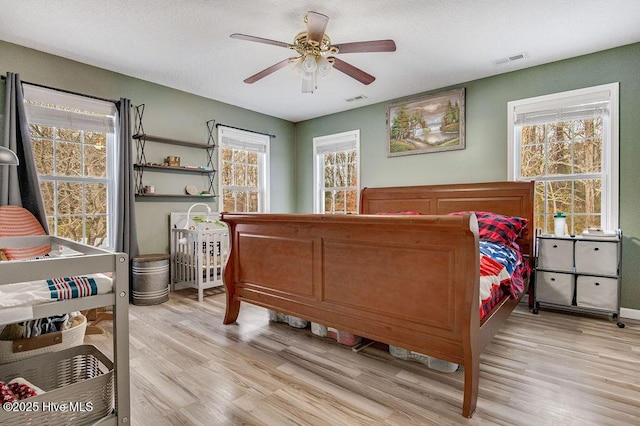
150,279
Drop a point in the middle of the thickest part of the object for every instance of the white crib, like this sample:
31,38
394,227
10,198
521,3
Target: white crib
198,253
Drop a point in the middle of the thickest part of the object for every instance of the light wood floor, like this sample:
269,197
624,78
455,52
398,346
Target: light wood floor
547,369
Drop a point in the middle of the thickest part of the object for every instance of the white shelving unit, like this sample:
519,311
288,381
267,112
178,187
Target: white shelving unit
579,274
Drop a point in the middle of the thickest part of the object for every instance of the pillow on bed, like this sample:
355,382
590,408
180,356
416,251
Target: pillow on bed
498,228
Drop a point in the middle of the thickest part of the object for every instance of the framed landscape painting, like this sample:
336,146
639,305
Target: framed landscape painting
431,123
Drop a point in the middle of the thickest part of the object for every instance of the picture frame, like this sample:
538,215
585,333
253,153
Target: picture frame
432,123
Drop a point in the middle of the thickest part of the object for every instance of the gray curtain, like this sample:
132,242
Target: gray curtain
19,185
126,237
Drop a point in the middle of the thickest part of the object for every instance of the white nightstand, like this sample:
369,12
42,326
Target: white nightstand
580,274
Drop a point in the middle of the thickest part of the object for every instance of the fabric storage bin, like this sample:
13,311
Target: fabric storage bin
597,292
80,379
555,254
554,287
16,350
597,257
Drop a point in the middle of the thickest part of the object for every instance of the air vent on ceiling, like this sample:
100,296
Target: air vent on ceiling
512,58
356,98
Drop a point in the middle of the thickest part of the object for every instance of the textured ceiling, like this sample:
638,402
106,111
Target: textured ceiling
185,44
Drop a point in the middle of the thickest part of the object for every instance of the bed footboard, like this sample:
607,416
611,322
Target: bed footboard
408,281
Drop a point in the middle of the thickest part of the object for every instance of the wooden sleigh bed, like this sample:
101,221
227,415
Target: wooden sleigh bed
409,281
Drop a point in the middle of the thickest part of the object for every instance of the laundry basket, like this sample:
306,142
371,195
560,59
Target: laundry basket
78,385
16,350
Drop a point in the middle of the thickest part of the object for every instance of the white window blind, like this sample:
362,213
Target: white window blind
239,139
334,143
68,111
580,112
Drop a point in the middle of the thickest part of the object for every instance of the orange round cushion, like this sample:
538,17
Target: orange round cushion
16,221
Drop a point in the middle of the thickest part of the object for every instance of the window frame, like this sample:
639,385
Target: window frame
339,141
610,172
56,118
252,142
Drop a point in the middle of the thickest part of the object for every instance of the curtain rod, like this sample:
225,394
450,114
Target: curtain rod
245,130
65,91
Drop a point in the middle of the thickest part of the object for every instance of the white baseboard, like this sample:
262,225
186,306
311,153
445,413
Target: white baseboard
630,313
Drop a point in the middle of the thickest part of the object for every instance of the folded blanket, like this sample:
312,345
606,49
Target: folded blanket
42,291
72,287
46,325
37,327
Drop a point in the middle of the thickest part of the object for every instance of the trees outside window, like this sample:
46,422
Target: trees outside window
73,139
243,165
568,144
337,173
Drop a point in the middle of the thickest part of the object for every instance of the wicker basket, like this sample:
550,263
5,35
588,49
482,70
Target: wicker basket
16,350
78,385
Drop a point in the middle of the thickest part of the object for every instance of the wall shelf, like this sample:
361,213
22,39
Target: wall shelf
158,139
142,165
163,169
172,197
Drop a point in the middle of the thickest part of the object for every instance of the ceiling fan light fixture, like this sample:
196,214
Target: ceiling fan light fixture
309,64
297,67
324,66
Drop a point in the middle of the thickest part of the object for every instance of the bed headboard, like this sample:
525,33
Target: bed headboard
506,198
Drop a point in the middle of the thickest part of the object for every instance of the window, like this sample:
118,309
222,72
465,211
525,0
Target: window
73,140
568,144
244,175
336,173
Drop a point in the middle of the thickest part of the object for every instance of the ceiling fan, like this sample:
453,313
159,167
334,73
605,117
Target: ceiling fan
316,54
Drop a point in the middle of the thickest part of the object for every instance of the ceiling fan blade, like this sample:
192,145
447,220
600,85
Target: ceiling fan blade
316,24
265,72
352,71
260,40
367,46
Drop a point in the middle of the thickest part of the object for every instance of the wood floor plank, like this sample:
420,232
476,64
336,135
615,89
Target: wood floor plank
187,368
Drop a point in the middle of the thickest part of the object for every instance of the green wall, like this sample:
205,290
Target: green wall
176,114
485,157
168,113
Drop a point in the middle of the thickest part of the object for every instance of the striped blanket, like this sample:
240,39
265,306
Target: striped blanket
42,291
72,287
